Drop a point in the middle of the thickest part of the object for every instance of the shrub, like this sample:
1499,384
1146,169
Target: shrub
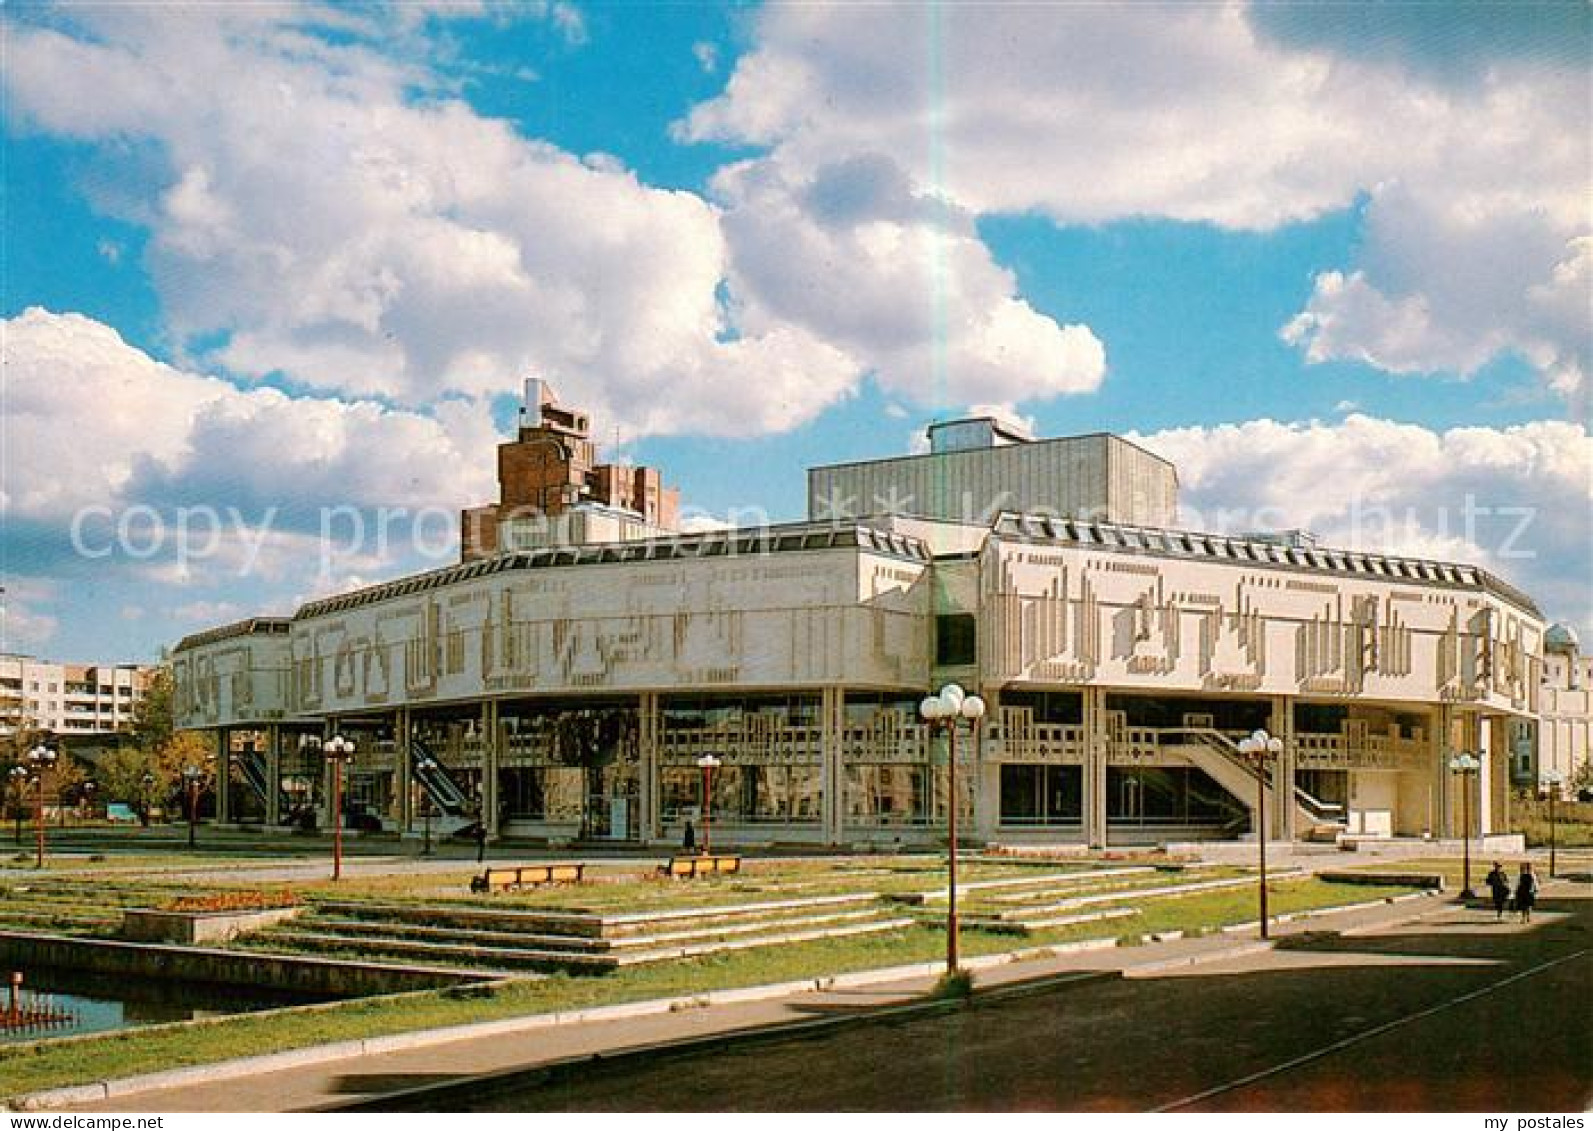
953,985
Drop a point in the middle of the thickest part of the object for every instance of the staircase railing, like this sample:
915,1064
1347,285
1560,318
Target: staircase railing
253,765
1326,812
440,785
1220,743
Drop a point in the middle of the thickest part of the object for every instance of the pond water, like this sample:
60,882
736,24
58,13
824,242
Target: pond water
98,1003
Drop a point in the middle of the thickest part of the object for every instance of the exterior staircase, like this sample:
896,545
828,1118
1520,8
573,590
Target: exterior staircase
575,942
1217,755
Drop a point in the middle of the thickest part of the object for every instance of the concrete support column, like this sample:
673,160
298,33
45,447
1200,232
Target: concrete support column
273,776
1495,758
1285,812
985,772
1095,762
832,769
404,779
223,775
491,740
647,714
1500,804
1468,737
1440,810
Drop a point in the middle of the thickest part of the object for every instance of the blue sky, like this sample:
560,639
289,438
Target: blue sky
1330,260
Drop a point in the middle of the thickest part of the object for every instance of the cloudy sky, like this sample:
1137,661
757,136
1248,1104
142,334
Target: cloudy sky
275,269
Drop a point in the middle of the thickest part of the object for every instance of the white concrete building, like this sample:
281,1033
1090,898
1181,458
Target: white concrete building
68,699
1565,724
569,691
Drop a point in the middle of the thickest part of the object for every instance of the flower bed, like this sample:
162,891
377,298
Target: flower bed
209,918
232,901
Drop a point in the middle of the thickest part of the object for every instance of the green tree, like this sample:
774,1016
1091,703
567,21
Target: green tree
154,719
157,749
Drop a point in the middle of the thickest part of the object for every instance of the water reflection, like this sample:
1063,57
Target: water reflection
100,1003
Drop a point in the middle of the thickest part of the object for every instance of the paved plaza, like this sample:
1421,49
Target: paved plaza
1400,1007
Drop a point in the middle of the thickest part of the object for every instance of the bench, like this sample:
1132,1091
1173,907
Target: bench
526,875
686,867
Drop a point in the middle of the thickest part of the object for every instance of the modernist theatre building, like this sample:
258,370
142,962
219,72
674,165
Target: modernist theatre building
564,680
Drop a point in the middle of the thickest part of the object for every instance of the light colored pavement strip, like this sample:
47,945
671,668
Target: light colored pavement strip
318,1076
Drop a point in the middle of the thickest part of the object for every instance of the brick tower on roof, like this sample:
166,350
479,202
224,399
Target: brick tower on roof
550,469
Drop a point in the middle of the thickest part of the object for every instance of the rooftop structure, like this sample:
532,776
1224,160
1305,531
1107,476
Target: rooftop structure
552,490
979,467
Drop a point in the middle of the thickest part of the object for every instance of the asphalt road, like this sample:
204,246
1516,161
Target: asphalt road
1453,1013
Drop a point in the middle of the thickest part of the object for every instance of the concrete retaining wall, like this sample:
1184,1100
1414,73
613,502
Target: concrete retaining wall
318,976
142,925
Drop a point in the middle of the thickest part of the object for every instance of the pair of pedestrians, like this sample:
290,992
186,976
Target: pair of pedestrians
1522,899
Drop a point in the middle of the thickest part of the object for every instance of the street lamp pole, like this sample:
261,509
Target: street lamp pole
147,785
43,758
1551,780
19,787
427,766
1465,765
944,710
708,763
1261,748
191,776
337,750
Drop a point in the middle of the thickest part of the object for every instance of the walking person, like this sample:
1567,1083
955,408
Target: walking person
1526,892
1499,884
688,843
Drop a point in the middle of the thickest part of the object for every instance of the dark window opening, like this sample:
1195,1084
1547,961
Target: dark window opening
955,636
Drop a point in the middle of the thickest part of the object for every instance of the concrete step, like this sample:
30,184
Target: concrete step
787,938
1019,885
1168,891
1021,926
360,929
498,957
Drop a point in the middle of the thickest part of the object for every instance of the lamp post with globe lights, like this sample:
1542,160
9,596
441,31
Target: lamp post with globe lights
945,711
1550,782
1260,749
708,764
426,767
193,776
42,759
19,785
337,750
1465,766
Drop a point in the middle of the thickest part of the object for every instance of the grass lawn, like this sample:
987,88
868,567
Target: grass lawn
26,1068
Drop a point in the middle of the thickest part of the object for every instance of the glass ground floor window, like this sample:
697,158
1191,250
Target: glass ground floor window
904,793
1042,795
1168,795
543,793
745,793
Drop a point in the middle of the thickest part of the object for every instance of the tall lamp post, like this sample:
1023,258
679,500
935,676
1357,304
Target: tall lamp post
337,750
1465,766
426,766
42,758
945,710
708,764
192,776
146,797
1551,781
19,785
1260,748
